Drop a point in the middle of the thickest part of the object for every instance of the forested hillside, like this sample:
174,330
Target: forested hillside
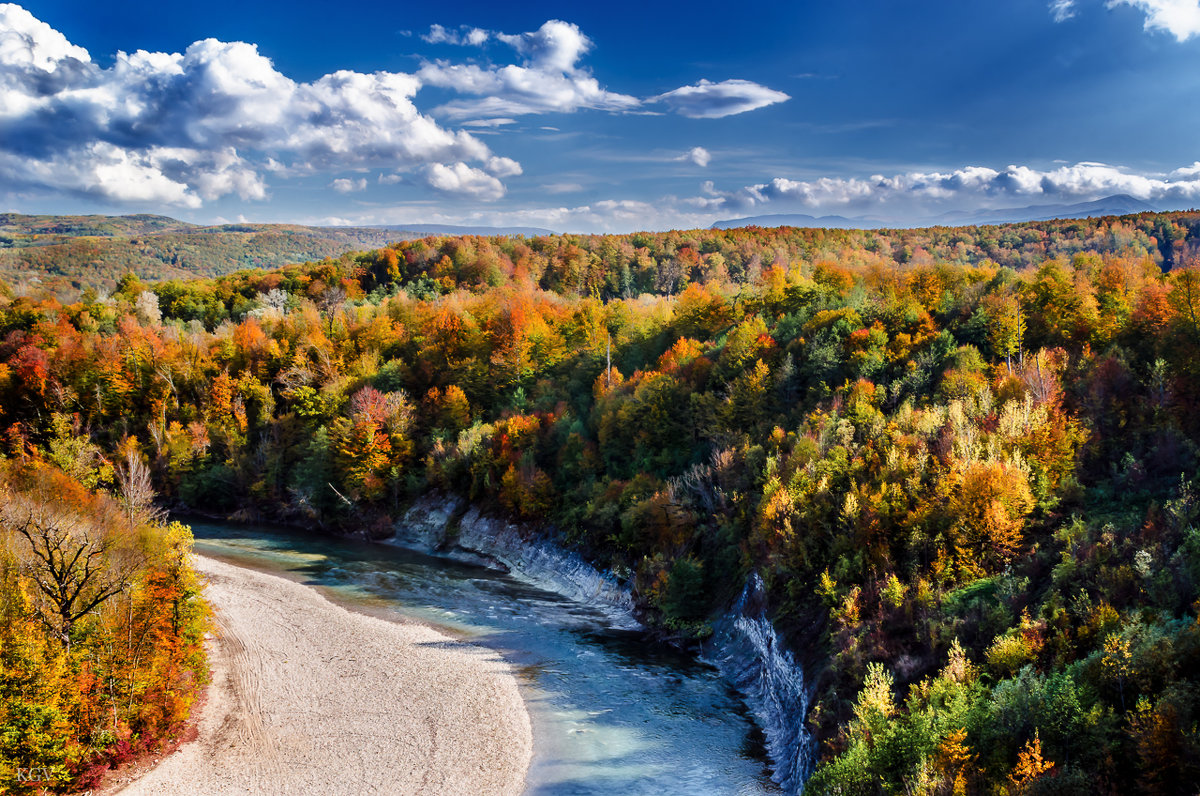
964,461
63,254
102,626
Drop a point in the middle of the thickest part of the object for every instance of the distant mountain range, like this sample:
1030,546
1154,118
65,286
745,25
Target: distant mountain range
802,220
423,230
1117,205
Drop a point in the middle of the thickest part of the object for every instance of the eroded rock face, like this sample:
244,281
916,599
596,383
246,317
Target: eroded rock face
751,654
744,646
440,526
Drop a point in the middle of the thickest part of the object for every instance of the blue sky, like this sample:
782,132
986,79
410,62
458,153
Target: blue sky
611,117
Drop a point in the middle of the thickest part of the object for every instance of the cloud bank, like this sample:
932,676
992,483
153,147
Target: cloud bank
550,79
911,194
213,121
916,198
184,128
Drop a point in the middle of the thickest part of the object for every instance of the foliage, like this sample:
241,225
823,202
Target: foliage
962,460
101,629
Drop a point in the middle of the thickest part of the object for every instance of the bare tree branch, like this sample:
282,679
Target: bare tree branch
75,565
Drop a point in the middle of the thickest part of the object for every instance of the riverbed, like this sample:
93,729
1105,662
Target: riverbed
613,711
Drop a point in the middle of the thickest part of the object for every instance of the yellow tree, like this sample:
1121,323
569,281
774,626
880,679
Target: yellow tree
1030,766
953,761
1185,297
989,508
1006,324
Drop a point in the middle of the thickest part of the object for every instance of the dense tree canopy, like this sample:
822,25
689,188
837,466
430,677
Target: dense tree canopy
962,460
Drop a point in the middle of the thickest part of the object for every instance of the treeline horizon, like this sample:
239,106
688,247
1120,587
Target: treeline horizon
963,460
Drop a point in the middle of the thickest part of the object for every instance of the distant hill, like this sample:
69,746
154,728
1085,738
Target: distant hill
1117,205
43,230
423,230
803,221
66,253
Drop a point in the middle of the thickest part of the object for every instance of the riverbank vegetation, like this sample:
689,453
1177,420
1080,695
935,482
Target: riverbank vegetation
964,461
102,626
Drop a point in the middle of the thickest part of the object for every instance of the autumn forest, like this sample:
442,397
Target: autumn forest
964,461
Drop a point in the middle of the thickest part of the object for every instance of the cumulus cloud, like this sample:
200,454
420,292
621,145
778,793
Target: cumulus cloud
463,180
707,100
502,167
548,80
26,41
698,155
1062,10
906,198
190,127
909,195
183,128
1180,18
554,47
344,185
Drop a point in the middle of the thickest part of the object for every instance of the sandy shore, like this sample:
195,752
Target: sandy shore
309,698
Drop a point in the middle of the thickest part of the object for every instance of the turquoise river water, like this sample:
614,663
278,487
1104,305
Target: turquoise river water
613,712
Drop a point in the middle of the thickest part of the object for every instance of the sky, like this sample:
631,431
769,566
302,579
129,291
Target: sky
604,117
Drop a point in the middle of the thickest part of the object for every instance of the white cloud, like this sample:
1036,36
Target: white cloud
554,47
439,35
1062,10
169,175
708,100
209,122
210,173
615,215
474,37
344,185
549,79
915,195
463,180
100,170
910,197
1180,18
499,122
503,167
184,128
698,155
27,41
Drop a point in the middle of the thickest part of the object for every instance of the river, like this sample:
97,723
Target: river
613,711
